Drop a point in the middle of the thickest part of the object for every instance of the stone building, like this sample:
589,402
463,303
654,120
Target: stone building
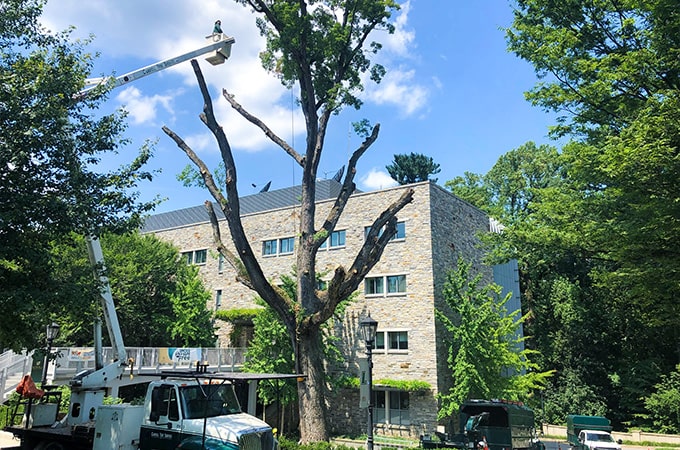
401,292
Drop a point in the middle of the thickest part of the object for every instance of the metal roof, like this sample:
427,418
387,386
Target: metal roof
250,204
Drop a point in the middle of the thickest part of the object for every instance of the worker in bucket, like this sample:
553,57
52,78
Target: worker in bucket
218,27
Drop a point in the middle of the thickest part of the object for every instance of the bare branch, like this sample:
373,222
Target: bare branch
267,131
203,169
348,186
241,273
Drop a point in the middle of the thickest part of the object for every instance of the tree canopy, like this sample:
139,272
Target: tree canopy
50,184
412,168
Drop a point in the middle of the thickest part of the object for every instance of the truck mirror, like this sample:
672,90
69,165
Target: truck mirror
619,441
153,417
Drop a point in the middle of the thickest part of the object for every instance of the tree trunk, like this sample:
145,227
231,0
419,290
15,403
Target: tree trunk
312,388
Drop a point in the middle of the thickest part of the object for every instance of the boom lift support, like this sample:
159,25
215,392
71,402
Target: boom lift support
219,47
89,387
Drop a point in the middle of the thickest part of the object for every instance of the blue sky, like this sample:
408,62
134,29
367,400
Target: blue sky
452,91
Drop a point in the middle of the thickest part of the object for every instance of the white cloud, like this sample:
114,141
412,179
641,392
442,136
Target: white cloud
399,89
204,142
376,179
402,40
142,109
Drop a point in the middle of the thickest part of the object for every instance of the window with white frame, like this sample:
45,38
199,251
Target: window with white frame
391,341
218,299
391,407
281,246
400,234
220,263
335,240
286,245
385,285
198,257
269,247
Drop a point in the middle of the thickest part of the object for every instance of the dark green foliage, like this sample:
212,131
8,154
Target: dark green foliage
160,300
50,145
664,403
412,168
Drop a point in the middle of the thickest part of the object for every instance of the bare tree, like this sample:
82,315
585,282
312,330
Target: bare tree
323,52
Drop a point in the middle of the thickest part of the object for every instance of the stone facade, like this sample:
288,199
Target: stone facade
438,227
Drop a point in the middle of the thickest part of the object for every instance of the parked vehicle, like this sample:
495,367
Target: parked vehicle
492,425
590,433
182,410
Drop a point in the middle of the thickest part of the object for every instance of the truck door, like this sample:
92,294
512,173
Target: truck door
164,425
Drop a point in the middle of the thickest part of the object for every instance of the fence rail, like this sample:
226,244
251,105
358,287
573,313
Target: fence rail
70,360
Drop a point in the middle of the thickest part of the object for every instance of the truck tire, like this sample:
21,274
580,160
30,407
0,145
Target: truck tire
48,445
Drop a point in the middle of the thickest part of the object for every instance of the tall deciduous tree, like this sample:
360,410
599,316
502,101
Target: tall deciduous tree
412,168
323,47
49,148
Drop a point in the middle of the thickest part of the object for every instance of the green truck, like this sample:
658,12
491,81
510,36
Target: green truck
492,424
590,433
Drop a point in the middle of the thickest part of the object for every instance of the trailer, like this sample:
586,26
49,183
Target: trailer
492,425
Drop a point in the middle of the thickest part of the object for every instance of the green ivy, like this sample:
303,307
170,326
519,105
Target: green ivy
237,315
404,385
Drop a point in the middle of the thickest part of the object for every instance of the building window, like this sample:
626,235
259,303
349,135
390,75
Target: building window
400,235
200,256
195,257
392,407
398,340
218,299
391,341
396,284
287,245
220,263
390,284
269,247
374,286
335,240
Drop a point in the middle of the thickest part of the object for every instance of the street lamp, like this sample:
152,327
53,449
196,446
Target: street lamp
51,334
368,329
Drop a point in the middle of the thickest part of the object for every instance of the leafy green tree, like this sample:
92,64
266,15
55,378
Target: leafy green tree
601,61
484,343
663,405
323,47
50,145
160,300
412,168
611,68
508,189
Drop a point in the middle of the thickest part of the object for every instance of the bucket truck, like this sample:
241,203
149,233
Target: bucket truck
188,410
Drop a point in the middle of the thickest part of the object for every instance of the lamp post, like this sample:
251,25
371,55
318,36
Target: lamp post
368,329
51,334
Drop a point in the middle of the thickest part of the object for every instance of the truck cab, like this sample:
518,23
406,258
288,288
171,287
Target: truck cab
184,413
598,440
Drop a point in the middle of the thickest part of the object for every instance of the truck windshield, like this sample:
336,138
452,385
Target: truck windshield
593,437
208,400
